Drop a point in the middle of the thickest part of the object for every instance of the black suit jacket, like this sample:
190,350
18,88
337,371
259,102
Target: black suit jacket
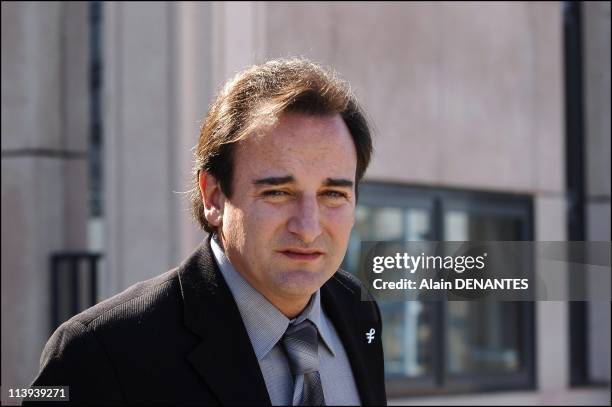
179,339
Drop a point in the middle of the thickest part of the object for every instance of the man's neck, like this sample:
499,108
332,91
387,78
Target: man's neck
289,307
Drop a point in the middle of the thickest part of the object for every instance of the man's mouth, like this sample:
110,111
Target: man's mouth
302,254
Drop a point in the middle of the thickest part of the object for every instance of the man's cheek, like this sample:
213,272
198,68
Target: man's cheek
342,224
267,220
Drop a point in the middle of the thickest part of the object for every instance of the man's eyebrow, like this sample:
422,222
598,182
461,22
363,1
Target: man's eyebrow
338,182
274,180
329,182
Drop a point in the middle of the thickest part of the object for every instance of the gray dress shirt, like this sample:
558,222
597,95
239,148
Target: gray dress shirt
266,325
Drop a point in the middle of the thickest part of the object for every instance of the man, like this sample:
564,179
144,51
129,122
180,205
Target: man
259,313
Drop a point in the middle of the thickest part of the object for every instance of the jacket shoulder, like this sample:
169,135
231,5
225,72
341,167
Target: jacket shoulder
133,302
85,340
351,285
354,295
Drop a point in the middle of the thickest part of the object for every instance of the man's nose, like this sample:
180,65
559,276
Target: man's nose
306,221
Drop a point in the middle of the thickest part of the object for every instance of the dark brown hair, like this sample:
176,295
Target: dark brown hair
261,94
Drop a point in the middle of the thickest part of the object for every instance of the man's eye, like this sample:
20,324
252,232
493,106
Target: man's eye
275,193
335,194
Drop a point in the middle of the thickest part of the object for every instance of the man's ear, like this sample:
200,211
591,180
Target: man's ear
212,198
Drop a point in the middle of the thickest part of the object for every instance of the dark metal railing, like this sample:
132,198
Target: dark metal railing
74,287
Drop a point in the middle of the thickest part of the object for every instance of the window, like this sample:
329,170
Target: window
439,347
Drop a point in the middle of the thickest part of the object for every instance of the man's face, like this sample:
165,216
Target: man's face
287,224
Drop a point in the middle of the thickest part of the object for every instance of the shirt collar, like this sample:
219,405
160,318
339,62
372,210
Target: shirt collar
264,323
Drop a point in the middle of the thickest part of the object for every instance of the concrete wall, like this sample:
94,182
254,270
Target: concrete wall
44,168
157,85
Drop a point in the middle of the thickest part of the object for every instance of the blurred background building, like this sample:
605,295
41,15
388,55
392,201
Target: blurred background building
492,122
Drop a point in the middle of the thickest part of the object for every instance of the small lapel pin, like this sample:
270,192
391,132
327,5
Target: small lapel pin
370,335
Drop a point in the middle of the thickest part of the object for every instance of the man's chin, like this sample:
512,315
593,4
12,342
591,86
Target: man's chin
300,282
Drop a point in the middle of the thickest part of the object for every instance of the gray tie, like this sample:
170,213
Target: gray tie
300,343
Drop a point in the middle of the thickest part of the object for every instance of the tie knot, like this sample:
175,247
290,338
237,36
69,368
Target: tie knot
300,342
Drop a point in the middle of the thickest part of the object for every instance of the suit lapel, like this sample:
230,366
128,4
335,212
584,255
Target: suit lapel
350,330
224,358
